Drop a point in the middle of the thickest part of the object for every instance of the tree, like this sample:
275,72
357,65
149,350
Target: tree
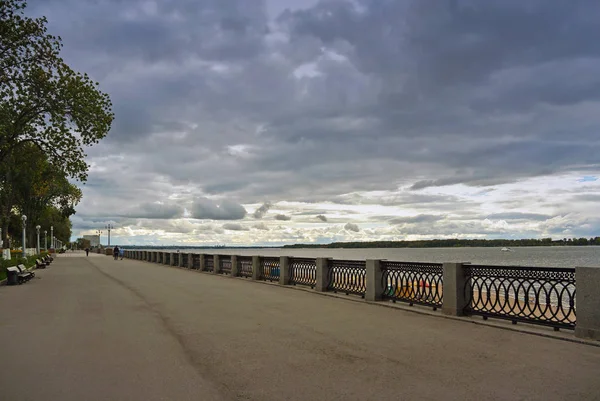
42,100
35,184
45,105
83,243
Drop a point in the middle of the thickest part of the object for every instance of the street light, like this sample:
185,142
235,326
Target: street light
99,232
51,237
109,227
24,221
45,240
37,228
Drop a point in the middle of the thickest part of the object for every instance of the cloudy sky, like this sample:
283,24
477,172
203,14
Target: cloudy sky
265,122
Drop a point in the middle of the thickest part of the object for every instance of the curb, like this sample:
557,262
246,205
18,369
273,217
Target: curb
525,329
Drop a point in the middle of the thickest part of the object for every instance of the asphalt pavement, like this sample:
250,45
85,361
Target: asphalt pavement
91,328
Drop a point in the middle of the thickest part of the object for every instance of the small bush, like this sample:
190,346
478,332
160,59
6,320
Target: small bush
16,259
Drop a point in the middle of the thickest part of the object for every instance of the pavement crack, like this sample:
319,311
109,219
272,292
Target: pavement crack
193,358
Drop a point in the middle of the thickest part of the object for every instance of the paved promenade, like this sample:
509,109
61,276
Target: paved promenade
98,329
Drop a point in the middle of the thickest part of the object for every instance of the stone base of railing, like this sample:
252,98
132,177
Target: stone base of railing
455,283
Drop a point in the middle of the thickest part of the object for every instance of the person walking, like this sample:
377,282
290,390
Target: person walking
87,251
116,252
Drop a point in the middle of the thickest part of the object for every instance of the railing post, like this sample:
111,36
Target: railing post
587,280
322,274
180,259
172,258
454,281
190,260
216,266
374,286
284,270
235,266
255,267
202,258
153,257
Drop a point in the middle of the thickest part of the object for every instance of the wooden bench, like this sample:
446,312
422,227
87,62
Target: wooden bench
22,274
24,271
47,259
40,264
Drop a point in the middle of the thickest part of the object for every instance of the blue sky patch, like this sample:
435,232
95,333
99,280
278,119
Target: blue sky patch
588,178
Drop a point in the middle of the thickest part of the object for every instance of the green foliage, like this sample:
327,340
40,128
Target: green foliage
48,114
42,100
17,260
83,243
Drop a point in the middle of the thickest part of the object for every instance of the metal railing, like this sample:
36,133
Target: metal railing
414,283
176,259
347,276
195,261
539,295
225,264
167,258
269,268
160,257
245,266
184,260
209,263
303,271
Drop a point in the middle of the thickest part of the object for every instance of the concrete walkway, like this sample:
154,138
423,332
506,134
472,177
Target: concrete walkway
98,329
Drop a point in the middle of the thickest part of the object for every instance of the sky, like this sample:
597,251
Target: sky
270,122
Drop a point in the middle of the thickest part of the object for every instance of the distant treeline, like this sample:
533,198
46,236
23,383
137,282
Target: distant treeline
451,243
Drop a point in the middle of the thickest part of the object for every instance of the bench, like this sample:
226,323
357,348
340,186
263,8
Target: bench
40,264
47,259
26,272
22,274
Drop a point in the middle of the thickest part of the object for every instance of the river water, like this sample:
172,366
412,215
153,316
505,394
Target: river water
565,256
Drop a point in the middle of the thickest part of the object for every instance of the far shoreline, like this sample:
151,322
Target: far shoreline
436,243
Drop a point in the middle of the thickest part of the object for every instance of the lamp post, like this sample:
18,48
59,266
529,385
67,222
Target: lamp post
24,244
37,228
109,227
51,237
45,240
99,232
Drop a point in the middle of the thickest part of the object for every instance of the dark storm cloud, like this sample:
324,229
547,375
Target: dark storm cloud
282,217
156,211
352,227
204,208
422,218
213,98
519,216
322,218
262,210
235,227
